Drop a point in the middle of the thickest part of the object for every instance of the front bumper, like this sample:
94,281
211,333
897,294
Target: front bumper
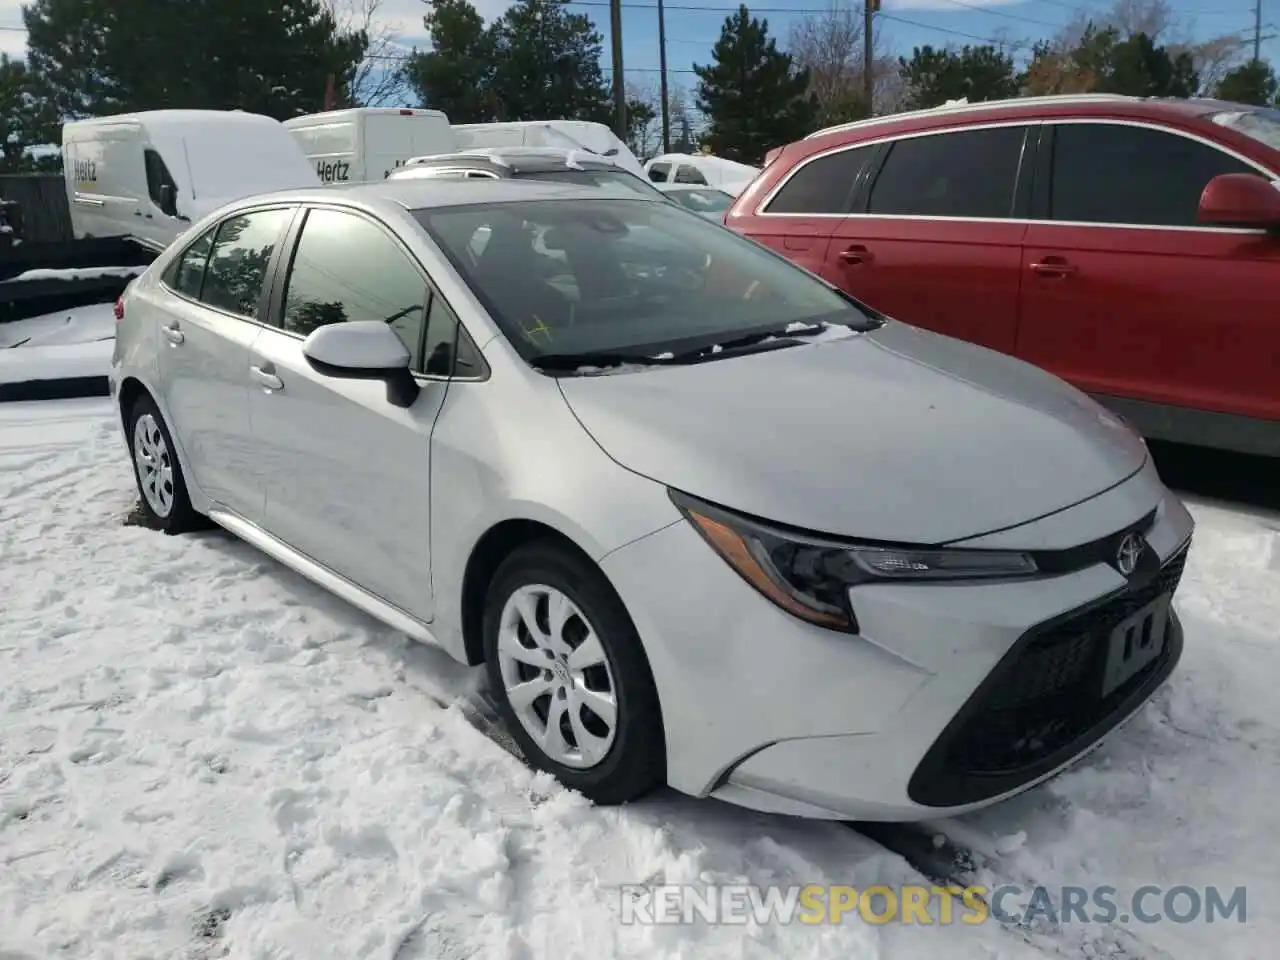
924,714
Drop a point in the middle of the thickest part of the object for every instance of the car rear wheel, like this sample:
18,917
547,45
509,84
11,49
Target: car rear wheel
570,675
165,503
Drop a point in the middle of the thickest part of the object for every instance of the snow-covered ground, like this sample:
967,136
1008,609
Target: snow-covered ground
58,346
202,755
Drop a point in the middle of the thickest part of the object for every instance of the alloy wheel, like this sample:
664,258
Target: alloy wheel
155,466
557,677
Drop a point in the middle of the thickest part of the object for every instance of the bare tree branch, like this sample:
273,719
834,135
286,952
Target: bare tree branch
830,46
378,80
648,140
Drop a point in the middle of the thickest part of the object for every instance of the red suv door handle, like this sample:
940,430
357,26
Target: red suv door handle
1053,267
856,254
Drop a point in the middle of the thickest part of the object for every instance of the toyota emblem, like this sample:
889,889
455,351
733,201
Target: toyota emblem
1128,554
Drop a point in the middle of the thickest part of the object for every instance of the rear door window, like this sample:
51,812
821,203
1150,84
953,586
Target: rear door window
659,171
824,185
1124,174
963,173
237,270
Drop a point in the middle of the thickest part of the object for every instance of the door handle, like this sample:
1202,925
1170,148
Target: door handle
1053,267
266,378
174,335
856,254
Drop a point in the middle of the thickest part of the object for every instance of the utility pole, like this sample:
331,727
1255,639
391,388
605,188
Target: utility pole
662,69
869,7
619,80
1257,30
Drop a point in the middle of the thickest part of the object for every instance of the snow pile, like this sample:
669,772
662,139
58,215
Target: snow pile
78,273
58,346
203,755
77,325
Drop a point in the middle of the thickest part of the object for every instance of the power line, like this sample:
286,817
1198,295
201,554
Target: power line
801,11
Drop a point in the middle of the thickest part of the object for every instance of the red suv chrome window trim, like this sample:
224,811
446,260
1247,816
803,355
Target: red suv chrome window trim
1046,121
872,142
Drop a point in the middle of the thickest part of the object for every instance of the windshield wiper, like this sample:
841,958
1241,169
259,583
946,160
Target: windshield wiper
784,337
572,361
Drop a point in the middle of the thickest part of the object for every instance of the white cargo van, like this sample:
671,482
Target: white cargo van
148,175
367,143
565,134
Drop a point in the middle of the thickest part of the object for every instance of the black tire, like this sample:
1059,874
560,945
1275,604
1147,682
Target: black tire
180,517
635,763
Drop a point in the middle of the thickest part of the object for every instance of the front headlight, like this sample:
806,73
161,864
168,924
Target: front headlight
809,577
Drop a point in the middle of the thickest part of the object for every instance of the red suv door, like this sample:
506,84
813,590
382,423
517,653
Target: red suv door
798,216
1129,297
934,242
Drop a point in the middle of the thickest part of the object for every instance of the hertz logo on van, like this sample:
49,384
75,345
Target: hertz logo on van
334,171
85,171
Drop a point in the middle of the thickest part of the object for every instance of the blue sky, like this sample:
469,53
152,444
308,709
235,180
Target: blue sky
904,24
693,25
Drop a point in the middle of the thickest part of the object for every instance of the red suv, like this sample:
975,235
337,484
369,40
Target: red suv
1130,246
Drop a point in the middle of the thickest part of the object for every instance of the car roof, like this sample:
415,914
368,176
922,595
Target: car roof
429,193
1026,108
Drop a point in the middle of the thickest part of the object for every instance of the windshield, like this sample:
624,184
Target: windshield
1260,123
578,277
702,201
601,177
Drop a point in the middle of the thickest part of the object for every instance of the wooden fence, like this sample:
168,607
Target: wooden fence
46,215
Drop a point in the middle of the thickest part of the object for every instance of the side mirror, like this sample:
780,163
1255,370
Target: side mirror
363,350
1240,200
169,200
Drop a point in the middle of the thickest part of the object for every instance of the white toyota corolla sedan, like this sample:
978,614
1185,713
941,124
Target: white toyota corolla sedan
705,520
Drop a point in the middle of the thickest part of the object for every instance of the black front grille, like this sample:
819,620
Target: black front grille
1043,702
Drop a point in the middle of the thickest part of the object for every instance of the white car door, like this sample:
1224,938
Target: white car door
348,479
208,322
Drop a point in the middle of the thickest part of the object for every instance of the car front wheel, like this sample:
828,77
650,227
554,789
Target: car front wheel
570,675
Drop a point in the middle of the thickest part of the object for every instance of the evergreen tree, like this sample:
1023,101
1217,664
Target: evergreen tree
537,61
547,64
1254,83
95,57
1137,67
23,118
973,73
1103,61
456,74
752,95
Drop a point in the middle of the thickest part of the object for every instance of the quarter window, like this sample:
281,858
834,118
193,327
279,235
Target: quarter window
1114,173
449,350
966,173
237,267
824,185
345,268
